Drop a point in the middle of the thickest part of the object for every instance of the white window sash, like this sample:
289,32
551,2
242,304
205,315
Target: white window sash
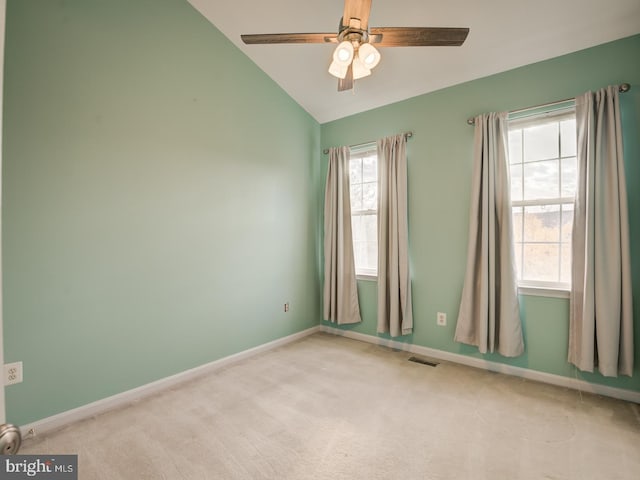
529,120
358,154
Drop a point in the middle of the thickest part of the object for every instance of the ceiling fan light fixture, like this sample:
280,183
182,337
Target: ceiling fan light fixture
354,56
337,70
343,54
369,55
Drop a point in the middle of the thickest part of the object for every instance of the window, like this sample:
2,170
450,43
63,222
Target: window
363,181
543,170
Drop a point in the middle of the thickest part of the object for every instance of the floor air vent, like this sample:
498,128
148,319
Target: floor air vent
422,361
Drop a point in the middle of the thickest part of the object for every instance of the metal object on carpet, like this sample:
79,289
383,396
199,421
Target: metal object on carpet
423,361
10,439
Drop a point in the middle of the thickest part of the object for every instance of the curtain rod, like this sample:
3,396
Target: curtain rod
407,135
624,87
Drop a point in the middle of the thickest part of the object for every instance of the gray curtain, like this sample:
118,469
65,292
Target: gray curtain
395,314
489,315
601,319
340,288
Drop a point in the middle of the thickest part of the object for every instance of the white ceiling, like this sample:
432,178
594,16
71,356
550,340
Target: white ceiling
504,34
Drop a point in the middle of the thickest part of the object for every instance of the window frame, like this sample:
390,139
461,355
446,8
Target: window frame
520,121
360,152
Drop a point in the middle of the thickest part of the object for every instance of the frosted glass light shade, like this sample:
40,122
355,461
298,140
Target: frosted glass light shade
337,70
369,55
343,54
359,69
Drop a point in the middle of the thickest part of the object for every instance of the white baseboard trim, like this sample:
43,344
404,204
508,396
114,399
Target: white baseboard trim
559,380
121,399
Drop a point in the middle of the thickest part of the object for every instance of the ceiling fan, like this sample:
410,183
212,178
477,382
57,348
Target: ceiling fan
356,55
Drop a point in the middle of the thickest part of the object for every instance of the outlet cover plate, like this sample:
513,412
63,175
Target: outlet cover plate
13,373
441,319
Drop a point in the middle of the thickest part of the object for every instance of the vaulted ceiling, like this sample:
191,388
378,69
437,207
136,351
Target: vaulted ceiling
505,34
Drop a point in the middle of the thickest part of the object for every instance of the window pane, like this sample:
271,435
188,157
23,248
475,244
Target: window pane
541,180
358,229
542,223
517,224
366,256
541,262
369,169
516,182
542,233
568,137
515,146
366,242
565,264
569,177
370,261
355,170
518,254
359,254
370,223
567,223
541,142
363,176
370,196
356,197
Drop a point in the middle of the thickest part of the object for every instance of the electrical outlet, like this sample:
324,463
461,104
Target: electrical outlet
441,319
13,373
286,307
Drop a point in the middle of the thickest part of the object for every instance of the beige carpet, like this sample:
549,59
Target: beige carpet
332,408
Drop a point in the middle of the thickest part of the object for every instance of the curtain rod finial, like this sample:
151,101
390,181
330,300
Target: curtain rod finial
625,87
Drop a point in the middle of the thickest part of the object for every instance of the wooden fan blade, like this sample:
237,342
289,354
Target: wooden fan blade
269,38
418,37
346,83
359,9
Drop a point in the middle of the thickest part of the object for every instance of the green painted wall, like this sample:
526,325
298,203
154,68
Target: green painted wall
158,209
159,200
440,165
